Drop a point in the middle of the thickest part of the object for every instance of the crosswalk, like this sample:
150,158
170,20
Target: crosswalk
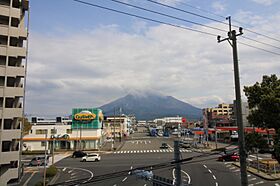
148,151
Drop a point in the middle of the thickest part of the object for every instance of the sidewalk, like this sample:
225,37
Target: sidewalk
33,175
270,177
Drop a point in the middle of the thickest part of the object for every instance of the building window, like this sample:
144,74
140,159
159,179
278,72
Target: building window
41,131
53,131
6,146
69,131
43,143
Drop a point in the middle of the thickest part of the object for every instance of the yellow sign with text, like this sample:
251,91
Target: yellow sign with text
84,116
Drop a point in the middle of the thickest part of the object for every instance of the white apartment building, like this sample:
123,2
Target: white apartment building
13,35
117,126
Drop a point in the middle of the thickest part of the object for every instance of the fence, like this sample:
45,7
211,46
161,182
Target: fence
267,166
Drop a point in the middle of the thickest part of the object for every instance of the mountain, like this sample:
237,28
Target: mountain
149,106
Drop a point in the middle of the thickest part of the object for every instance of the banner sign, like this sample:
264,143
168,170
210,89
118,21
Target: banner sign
90,118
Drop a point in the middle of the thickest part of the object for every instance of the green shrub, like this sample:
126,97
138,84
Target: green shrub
51,171
40,183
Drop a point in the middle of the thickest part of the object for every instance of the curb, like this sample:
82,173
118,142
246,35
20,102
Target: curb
254,171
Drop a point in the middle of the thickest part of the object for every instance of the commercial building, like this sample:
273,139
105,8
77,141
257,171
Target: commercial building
84,130
117,126
13,34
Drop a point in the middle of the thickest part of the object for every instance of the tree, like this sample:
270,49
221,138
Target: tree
264,102
255,140
26,126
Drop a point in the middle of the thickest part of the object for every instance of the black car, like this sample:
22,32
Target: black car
164,146
78,154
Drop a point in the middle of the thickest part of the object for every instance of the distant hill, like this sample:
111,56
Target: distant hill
150,106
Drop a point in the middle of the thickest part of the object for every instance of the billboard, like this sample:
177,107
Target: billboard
86,118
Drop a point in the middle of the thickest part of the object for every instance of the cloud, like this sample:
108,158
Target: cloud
264,2
93,67
218,6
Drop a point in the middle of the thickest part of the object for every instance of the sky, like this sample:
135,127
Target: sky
85,56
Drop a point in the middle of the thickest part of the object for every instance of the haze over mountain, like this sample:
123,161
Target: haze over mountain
149,106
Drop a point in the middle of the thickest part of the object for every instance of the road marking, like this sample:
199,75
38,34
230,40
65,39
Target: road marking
154,150
252,179
138,151
189,178
210,171
134,151
248,175
115,185
237,170
121,152
217,184
249,159
255,157
157,150
118,152
124,151
144,151
214,177
277,184
141,151
145,142
90,172
160,150
63,169
145,185
228,165
231,168
205,166
148,150
174,178
124,179
70,171
259,182
26,182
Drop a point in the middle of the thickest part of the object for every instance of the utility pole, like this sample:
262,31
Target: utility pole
178,164
45,160
242,152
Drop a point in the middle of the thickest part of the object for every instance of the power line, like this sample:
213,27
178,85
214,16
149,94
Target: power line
205,17
275,53
170,16
260,42
185,11
166,23
145,18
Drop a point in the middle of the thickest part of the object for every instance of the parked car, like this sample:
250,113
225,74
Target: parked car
91,157
78,154
39,160
229,157
164,146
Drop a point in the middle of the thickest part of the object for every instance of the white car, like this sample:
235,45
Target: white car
91,157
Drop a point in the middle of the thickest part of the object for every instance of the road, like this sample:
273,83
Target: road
115,169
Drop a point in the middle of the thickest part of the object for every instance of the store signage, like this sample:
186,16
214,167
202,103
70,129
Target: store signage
84,116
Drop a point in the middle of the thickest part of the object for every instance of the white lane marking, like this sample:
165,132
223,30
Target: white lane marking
124,151
209,171
252,179
217,184
248,175
228,165
249,159
148,150
26,182
70,171
277,184
157,150
124,179
255,157
63,169
173,173
138,151
141,151
205,166
121,152
118,152
144,151
189,178
237,170
145,185
232,168
214,177
134,151
115,185
86,170
260,182
251,184
115,152
160,150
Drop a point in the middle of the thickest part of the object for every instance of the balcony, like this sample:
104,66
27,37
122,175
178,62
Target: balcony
10,134
7,157
14,31
12,91
11,112
16,51
5,11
